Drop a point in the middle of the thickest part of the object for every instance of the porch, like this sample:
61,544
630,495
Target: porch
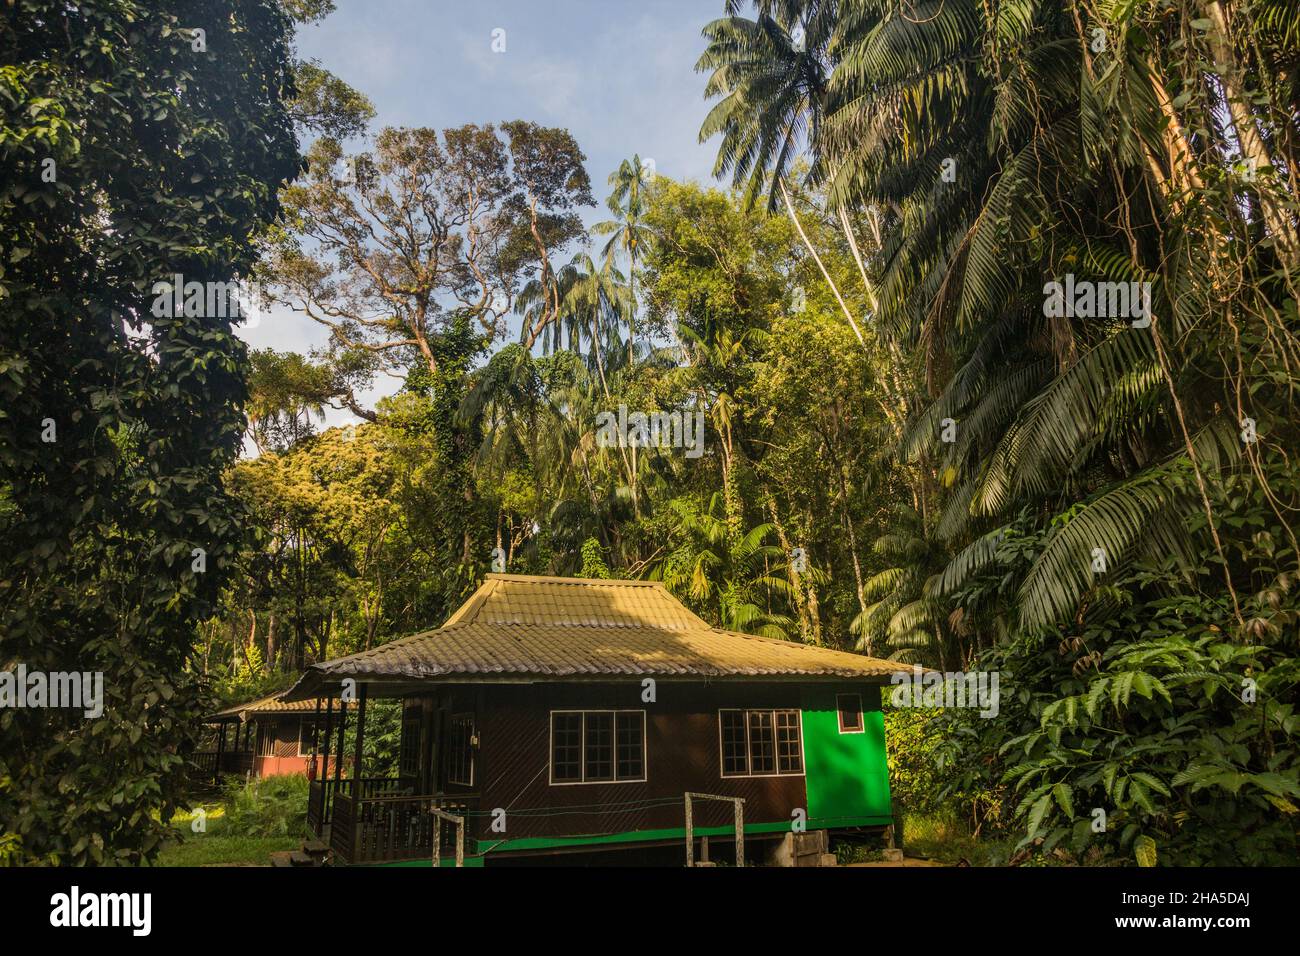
367,819
209,763
390,827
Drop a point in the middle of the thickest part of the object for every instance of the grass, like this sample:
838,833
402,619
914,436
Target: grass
244,829
938,837
213,849
949,840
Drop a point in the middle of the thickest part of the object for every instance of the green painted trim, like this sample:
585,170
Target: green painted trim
483,847
671,833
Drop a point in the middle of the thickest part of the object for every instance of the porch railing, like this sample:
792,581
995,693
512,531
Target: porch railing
377,829
205,763
320,808
232,761
341,826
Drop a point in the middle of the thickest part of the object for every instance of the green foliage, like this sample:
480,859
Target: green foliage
1100,502
214,849
924,778
1184,738
327,105
164,159
914,780
266,807
593,562
383,739
509,436
968,477
730,580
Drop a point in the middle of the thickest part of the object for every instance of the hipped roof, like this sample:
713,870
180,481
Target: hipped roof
526,628
271,704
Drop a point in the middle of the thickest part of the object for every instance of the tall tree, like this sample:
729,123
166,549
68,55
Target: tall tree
626,231
771,74
1088,246
136,143
385,250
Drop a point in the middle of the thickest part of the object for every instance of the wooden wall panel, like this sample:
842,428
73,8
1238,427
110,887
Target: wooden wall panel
682,753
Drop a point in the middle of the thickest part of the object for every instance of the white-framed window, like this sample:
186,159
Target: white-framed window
760,742
460,750
597,746
849,707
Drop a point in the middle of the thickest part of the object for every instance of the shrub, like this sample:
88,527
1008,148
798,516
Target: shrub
922,780
269,807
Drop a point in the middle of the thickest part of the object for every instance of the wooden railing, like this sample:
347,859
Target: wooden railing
205,763
379,829
320,810
232,761
341,826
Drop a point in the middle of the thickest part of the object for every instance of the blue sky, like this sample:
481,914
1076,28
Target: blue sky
619,75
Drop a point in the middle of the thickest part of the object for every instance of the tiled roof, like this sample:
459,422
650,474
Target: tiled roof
271,704
574,602
525,627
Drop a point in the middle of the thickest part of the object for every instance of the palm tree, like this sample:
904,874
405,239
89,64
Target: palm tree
903,614
772,74
1116,435
599,295
714,356
736,576
286,392
593,297
626,231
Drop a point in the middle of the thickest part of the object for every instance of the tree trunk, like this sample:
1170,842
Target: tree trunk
271,641
1253,150
805,602
892,378
249,643
789,206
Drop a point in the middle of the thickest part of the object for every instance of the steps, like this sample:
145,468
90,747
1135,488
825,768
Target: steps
318,850
313,853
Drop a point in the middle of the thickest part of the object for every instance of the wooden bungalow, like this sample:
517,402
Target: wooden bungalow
565,715
263,737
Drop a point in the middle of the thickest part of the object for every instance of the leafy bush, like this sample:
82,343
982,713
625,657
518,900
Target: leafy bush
1155,723
269,807
383,740
914,777
922,781
178,160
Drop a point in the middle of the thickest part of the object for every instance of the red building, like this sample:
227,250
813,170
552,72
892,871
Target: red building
263,737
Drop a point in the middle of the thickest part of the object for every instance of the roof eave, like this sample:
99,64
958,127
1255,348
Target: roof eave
316,683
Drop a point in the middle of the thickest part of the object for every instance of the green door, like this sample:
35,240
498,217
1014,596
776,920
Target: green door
844,757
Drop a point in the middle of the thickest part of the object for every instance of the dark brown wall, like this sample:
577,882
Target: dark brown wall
682,753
